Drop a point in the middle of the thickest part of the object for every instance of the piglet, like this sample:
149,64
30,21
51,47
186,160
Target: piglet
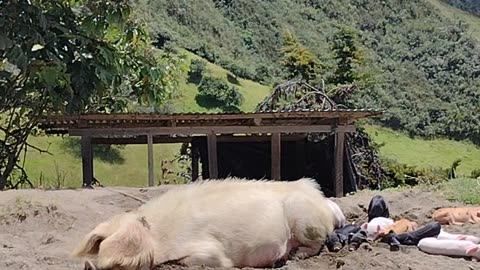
339,216
337,239
378,207
356,239
450,236
460,248
376,226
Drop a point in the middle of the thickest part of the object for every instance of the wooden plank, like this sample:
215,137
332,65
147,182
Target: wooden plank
212,156
87,161
140,140
275,156
338,163
166,139
195,159
151,175
207,130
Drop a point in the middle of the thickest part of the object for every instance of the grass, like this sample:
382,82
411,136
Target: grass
455,14
425,153
63,168
464,190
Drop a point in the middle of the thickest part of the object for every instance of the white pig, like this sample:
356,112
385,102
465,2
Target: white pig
446,247
228,223
450,236
375,226
339,216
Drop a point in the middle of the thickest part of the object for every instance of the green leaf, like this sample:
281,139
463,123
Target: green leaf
5,42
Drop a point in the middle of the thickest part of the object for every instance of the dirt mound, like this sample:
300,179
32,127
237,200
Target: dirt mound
39,229
25,212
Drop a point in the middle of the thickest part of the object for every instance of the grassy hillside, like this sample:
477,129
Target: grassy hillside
455,14
423,65
185,98
128,166
425,153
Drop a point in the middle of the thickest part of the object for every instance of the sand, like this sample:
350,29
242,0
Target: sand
39,229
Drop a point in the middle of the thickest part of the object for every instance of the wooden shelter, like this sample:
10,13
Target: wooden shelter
273,127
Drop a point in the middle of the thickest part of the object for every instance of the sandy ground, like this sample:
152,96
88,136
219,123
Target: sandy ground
39,229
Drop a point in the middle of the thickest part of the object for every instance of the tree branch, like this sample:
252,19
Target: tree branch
38,149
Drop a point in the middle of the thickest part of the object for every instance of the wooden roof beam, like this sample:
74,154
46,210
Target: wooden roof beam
208,130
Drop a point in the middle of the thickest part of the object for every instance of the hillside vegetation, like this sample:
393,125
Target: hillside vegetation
419,65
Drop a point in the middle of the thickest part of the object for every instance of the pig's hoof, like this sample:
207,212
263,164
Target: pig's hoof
279,263
367,246
394,248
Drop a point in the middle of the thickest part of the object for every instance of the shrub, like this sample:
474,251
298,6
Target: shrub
475,173
197,70
219,91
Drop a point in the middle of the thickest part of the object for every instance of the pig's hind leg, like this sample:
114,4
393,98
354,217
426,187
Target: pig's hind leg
206,254
309,224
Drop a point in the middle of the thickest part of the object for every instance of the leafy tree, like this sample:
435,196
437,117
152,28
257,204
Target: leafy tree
298,61
71,56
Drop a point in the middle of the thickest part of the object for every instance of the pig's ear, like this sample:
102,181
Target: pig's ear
472,250
91,242
365,226
131,246
378,228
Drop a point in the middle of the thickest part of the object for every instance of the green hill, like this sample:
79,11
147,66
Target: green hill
424,64
425,153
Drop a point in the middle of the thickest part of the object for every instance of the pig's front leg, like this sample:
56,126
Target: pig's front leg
304,252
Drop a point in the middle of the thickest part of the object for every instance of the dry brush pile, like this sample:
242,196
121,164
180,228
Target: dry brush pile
369,169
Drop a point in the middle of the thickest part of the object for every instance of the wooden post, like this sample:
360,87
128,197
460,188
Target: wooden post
338,163
194,163
87,161
151,176
212,156
275,156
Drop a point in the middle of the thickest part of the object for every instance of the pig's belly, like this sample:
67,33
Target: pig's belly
267,254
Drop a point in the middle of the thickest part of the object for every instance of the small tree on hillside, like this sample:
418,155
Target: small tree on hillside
347,56
297,60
